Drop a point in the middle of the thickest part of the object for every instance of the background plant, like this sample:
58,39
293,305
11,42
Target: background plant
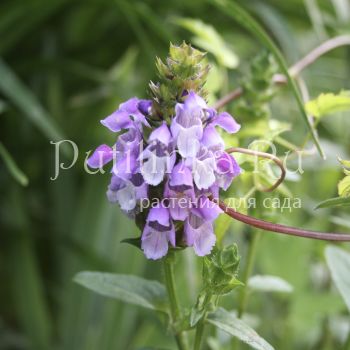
58,77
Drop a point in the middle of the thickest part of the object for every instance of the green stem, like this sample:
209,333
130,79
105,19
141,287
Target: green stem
174,303
201,324
199,335
247,272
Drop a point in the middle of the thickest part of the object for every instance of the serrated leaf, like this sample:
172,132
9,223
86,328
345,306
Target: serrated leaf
344,187
266,283
338,261
328,103
129,289
234,326
333,202
207,38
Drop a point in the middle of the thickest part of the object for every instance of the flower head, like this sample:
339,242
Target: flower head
169,149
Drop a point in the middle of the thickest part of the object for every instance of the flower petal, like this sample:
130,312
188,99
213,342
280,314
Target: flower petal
159,214
188,141
101,156
181,178
161,134
154,243
117,121
227,122
211,139
226,169
206,209
203,172
199,234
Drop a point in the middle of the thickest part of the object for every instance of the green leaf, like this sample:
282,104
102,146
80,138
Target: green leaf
333,202
127,288
207,38
344,187
12,166
27,102
235,11
344,163
268,283
234,326
328,103
338,261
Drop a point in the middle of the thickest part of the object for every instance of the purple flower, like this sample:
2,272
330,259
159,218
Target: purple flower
187,127
127,116
101,156
183,158
158,231
158,157
127,192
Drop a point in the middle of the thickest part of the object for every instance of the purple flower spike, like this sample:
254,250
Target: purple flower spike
184,157
101,156
159,230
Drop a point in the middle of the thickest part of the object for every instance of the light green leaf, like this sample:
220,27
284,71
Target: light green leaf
27,102
12,167
234,326
266,283
328,103
210,40
333,202
127,288
344,187
239,14
344,163
338,261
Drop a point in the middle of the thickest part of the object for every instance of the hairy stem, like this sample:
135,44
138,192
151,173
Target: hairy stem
174,303
288,230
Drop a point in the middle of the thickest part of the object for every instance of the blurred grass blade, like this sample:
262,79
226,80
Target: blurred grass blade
210,40
333,202
27,102
12,166
244,18
338,261
29,294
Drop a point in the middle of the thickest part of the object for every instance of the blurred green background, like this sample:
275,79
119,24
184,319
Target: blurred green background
64,66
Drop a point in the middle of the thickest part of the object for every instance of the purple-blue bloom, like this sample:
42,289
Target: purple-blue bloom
179,162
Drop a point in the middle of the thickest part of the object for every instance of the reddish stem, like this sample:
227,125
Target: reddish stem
269,226
263,155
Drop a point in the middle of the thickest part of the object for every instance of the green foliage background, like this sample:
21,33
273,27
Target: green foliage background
67,64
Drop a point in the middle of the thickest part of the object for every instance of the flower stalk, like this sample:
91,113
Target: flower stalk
175,313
